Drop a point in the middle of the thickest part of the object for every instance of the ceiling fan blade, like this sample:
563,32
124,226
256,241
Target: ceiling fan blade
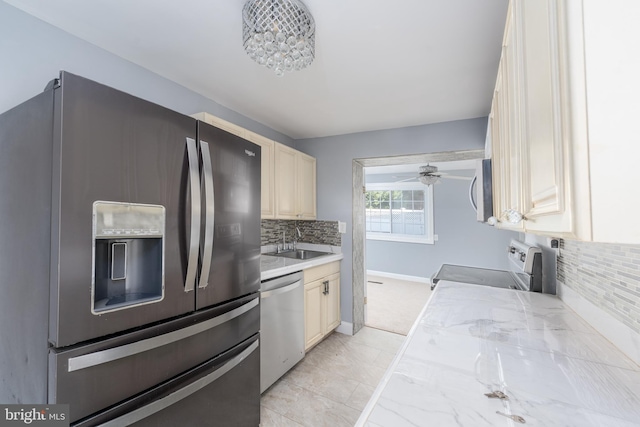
406,179
466,178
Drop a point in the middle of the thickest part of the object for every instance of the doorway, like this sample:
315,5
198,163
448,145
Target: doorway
359,275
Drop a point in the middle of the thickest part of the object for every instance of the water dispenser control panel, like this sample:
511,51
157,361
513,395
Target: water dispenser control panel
127,219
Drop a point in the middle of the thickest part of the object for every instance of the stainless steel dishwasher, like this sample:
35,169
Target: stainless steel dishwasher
281,326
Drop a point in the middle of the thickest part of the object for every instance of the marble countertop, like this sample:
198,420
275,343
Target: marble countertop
274,266
470,340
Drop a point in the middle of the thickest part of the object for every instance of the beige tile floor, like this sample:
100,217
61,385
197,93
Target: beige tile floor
333,383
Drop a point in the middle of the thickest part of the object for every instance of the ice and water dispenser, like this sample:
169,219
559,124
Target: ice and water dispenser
128,255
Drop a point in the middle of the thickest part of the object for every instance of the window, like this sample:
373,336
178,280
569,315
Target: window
401,212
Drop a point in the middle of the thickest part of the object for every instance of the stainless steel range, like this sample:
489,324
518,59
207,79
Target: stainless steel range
524,274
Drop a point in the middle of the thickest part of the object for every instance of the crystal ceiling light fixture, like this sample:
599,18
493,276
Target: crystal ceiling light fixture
279,34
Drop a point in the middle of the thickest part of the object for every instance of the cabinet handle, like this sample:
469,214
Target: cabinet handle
326,287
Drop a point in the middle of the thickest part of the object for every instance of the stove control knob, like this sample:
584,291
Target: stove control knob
523,256
511,249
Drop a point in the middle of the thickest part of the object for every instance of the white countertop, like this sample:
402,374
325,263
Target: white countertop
274,266
470,340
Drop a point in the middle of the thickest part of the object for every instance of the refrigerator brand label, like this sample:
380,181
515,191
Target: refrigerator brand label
250,153
34,415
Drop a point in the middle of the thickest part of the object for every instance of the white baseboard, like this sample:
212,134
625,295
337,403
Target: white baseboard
623,337
400,276
345,328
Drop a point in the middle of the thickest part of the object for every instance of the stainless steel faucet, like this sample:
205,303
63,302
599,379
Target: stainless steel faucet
295,239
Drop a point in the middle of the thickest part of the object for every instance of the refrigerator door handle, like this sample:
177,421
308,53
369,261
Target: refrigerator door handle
175,397
194,238
207,249
105,356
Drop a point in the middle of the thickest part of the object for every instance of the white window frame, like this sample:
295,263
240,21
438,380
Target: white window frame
428,238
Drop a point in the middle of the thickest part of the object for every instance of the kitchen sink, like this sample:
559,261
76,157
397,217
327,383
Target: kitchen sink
298,254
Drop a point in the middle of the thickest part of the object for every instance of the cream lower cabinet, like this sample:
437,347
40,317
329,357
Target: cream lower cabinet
564,138
321,302
295,184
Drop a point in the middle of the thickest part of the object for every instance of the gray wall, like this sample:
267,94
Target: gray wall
33,52
335,155
461,239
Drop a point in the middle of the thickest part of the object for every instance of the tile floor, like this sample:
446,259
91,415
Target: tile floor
333,383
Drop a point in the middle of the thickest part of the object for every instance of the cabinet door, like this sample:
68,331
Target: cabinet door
313,313
547,207
285,188
506,126
267,200
306,186
332,302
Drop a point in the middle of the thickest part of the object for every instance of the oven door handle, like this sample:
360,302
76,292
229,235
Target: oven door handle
104,356
183,393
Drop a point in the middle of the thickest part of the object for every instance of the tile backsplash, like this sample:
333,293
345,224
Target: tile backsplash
607,275
316,232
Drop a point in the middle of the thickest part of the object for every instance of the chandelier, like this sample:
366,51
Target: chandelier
279,34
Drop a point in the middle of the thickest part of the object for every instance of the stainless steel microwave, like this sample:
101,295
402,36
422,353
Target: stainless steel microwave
481,191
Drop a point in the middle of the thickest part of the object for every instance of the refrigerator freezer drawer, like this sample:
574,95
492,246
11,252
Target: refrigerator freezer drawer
93,377
222,390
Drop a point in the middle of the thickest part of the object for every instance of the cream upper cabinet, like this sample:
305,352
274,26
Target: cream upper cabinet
545,141
564,138
288,176
267,173
604,102
505,125
286,185
295,187
306,174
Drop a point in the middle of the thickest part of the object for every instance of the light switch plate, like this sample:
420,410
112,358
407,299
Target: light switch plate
342,227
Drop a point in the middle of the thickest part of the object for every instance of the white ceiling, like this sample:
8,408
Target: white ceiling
379,64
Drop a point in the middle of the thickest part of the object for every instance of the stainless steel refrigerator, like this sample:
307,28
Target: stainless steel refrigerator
130,260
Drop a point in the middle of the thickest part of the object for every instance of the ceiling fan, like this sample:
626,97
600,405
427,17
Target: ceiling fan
429,175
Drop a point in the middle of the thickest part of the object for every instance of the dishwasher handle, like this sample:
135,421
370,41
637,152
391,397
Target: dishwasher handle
281,290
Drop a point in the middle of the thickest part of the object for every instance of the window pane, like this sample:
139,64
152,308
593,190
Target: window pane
396,212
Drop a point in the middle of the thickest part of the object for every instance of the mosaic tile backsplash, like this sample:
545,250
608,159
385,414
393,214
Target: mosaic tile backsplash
607,275
315,232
